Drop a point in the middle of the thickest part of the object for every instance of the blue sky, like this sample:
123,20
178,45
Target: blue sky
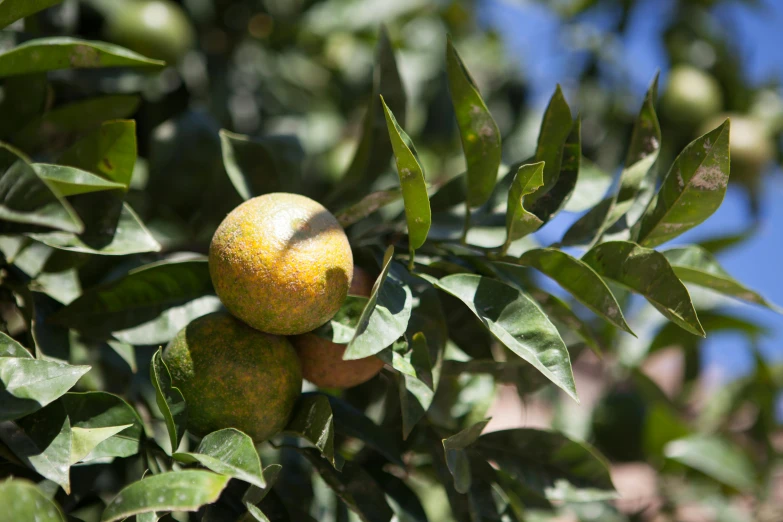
532,33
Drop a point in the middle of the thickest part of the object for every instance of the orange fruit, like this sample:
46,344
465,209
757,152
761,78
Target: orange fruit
322,360
233,376
281,263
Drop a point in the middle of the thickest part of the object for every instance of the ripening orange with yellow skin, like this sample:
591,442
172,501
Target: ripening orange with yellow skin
281,263
322,360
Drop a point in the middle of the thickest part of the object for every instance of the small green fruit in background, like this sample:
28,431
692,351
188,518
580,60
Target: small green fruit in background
691,96
233,376
155,28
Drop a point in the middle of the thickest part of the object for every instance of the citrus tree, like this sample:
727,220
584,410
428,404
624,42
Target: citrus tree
231,291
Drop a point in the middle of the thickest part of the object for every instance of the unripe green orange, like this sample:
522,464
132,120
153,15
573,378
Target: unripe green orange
322,360
691,96
281,263
233,376
155,28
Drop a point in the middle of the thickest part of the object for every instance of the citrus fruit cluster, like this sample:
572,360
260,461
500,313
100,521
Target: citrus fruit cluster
282,266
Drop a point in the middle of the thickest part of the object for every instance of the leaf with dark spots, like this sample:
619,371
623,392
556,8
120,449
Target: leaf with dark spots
555,129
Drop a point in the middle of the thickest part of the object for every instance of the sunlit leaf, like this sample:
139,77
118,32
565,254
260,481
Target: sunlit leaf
559,312
100,411
70,181
691,191
30,384
517,322
228,452
186,490
11,348
649,274
411,174
85,440
478,131
50,54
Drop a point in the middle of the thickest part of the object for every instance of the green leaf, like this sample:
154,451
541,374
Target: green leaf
51,54
93,411
11,348
312,420
366,206
414,188
386,315
27,203
141,296
649,274
591,186
258,166
547,205
130,237
457,457
228,452
691,191
560,313
30,384
696,265
109,151
257,513
352,422
13,10
42,442
555,129
519,220
374,150
126,352
479,133
63,286
517,322
354,486
169,399
69,181
549,464
174,491
84,440
579,280
78,116
22,500
715,457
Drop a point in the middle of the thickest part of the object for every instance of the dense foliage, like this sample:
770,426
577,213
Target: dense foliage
115,170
